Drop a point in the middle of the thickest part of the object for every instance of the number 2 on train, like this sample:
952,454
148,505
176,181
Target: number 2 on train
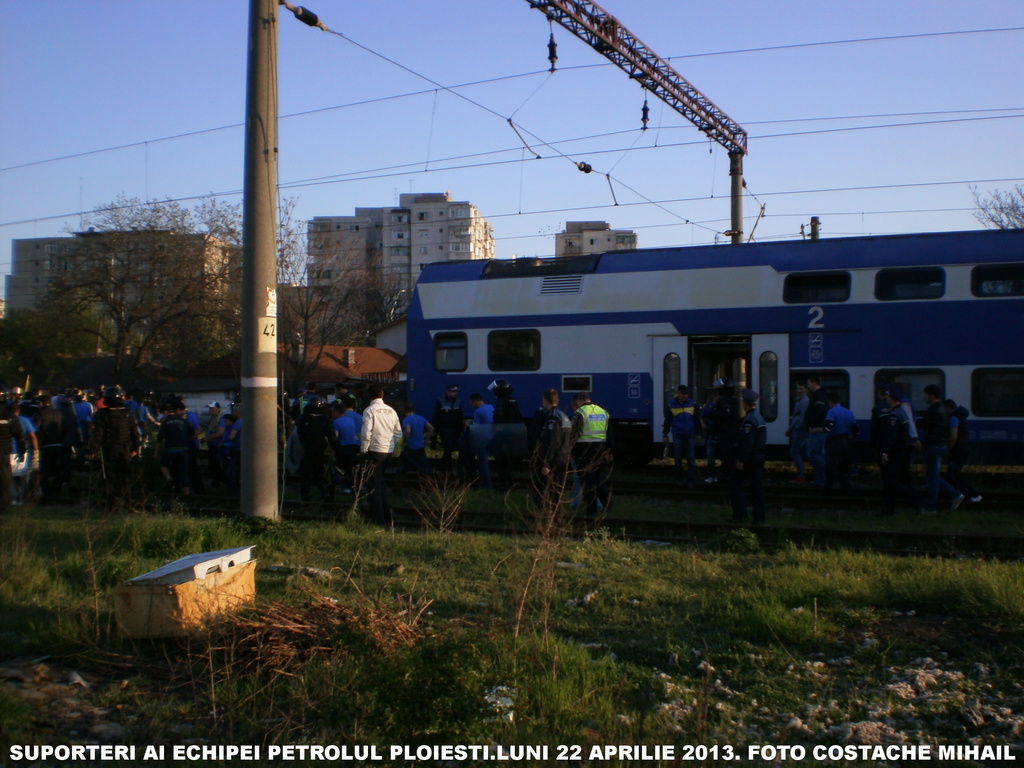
817,316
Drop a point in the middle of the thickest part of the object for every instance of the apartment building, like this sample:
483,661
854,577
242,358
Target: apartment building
396,242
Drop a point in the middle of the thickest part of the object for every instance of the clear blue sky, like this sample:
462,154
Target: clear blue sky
882,135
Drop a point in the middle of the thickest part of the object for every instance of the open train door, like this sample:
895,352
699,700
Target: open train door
669,368
769,363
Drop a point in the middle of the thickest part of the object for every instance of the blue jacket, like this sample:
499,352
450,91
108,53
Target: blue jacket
679,417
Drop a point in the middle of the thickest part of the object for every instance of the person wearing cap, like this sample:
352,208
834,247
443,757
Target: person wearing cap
749,461
448,421
682,425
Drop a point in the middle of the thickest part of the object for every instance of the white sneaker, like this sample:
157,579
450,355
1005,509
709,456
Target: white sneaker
957,502
710,480
975,499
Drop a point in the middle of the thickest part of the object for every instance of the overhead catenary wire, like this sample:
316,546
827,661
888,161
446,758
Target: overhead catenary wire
352,177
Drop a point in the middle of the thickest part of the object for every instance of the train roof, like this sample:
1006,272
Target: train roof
940,248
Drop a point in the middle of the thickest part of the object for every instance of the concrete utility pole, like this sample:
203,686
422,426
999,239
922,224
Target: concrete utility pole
606,35
259,489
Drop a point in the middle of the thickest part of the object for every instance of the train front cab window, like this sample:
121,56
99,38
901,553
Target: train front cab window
450,352
913,381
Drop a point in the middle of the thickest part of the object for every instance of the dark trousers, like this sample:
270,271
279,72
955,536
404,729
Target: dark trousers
345,457
449,444
594,467
116,469
380,507
955,477
838,459
896,482
195,477
752,474
214,466
52,469
311,475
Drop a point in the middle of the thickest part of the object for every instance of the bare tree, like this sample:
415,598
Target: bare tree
154,273
338,298
1000,210
312,312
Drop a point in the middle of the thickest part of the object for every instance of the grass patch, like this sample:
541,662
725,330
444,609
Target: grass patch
368,637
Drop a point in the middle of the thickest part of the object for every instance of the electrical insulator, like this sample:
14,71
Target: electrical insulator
645,116
306,16
585,167
552,51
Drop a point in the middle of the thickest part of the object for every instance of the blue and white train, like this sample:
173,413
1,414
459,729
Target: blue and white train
630,326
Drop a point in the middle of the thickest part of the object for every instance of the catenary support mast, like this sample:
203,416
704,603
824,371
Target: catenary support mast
605,34
259,487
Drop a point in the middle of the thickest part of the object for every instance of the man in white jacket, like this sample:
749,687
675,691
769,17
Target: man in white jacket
381,430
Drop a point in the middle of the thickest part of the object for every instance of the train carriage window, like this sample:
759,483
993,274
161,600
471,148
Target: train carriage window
768,379
837,381
997,392
450,352
671,375
816,287
513,350
913,381
911,283
997,280
577,384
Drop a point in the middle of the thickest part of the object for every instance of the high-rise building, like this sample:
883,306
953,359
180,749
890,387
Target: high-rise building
584,237
395,243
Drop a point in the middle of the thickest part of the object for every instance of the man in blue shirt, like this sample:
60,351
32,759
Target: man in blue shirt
416,431
346,447
475,439
840,428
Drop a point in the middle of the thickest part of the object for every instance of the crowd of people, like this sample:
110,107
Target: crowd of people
823,435
335,447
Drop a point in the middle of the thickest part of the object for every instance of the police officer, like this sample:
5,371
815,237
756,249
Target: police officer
723,419
592,453
551,453
896,443
448,421
749,461
117,440
503,447
313,428
10,428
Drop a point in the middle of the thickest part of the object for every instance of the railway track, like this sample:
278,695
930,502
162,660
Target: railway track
783,503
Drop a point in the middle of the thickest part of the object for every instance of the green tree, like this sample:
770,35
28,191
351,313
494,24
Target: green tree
39,345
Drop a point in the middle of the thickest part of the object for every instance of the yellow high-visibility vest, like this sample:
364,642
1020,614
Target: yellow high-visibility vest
595,424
